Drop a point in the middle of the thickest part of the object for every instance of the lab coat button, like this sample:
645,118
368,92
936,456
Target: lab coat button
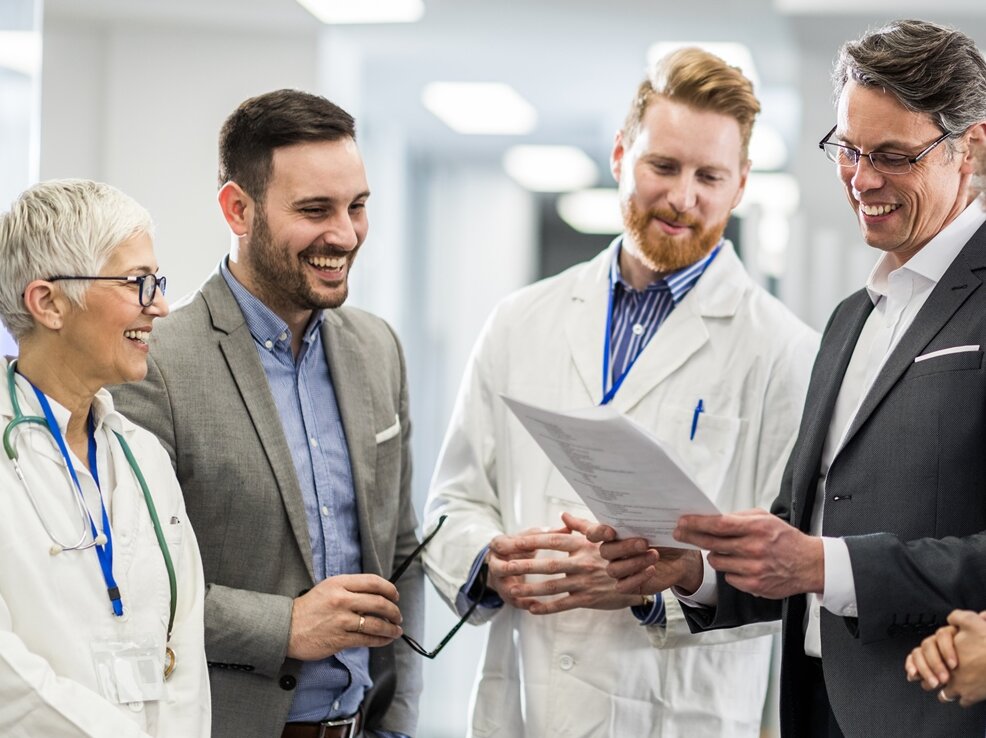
135,706
566,662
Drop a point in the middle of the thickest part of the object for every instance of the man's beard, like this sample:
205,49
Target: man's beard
663,253
282,279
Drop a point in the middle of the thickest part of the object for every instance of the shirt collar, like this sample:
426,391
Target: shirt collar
678,283
264,324
934,259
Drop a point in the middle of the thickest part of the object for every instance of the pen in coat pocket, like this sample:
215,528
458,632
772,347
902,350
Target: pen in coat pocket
699,409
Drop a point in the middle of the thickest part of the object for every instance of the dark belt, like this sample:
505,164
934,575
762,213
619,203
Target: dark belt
350,727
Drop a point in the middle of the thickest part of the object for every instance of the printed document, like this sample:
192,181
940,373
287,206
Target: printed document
628,478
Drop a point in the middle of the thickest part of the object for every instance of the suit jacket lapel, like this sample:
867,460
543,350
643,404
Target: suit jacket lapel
827,374
955,287
240,352
352,389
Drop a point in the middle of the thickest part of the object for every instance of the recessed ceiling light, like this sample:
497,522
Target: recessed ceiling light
550,168
365,11
594,210
480,107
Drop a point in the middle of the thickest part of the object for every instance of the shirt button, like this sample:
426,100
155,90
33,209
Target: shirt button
325,510
313,441
283,337
269,344
638,329
335,705
566,662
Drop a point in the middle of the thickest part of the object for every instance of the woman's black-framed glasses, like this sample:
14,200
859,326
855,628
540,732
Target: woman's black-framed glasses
147,284
481,584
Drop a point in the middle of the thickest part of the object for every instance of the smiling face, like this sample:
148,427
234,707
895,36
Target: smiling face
679,179
304,238
108,338
898,213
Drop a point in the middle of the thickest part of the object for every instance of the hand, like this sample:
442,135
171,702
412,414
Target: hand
968,679
326,619
580,575
758,552
933,661
638,568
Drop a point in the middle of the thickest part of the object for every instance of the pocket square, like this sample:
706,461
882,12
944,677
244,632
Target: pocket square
945,352
387,433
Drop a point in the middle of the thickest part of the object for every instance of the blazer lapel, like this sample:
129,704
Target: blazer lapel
955,287
240,352
827,374
352,389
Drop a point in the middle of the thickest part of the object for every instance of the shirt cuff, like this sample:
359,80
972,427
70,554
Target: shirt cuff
707,595
839,597
651,614
467,595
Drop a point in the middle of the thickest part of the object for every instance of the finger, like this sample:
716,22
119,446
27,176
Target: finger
547,587
374,627
560,604
922,672
552,565
376,606
946,646
623,568
640,583
910,669
366,584
554,541
579,525
719,526
933,658
627,548
966,619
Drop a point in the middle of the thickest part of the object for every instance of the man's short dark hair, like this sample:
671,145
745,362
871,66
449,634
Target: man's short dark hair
269,121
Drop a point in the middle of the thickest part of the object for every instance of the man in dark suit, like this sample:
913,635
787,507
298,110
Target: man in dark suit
879,530
286,418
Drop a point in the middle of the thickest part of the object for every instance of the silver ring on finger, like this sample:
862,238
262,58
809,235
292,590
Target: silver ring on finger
362,622
944,697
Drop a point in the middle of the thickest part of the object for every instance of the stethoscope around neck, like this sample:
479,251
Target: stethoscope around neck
18,423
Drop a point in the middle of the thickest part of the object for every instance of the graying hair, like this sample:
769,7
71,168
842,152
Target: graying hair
66,226
932,69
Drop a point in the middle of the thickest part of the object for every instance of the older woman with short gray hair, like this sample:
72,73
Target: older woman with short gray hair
101,585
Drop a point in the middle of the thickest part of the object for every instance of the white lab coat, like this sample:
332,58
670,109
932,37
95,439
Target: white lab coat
599,673
53,607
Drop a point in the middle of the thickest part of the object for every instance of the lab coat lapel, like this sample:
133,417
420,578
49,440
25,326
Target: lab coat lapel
717,294
585,323
349,378
240,352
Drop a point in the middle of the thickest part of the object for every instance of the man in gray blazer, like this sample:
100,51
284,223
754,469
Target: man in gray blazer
286,418
880,526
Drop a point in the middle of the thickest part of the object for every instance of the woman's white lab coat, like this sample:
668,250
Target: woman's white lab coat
594,673
54,609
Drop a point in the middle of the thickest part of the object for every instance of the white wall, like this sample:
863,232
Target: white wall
140,106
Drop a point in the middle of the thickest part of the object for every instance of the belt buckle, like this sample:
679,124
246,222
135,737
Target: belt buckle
349,722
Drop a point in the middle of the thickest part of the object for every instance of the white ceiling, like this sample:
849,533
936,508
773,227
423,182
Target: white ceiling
577,61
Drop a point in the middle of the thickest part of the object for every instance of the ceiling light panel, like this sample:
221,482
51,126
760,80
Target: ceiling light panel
595,211
365,11
550,168
480,107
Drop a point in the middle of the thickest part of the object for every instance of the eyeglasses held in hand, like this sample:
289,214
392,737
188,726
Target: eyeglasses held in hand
481,579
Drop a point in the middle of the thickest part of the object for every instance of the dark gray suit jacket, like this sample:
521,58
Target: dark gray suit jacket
206,397
907,492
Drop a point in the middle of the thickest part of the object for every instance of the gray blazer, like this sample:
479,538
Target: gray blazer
207,399
907,492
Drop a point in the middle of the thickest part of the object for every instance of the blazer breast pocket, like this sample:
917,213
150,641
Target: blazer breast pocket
391,431
936,363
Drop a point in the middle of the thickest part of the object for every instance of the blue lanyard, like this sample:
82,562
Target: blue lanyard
609,394
104,552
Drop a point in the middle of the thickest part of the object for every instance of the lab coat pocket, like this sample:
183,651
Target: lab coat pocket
707,454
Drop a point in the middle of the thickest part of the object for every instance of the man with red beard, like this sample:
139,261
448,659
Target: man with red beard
286,418
667,327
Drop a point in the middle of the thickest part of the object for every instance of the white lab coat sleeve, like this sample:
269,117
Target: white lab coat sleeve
38,702
463,486
189,683
771,441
